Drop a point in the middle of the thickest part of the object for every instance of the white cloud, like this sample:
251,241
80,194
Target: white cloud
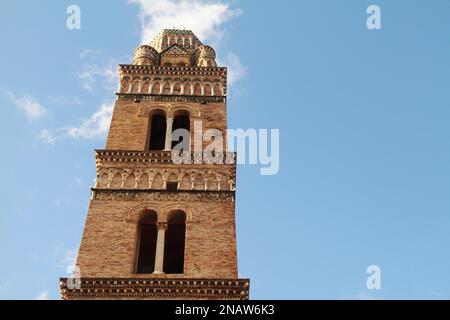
32,109
205,18
236,70
96,126
43,296
47,137
106,75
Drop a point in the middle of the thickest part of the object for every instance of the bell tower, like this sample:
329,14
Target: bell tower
157,228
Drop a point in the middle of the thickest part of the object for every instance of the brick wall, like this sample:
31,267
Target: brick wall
130,124
108,246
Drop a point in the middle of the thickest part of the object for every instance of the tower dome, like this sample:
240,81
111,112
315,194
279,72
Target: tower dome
206,56
145,55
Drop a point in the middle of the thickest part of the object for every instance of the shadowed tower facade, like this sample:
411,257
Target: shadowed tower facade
159,229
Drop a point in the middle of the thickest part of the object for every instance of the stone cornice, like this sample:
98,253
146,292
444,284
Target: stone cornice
173,71
161,195
137,97
150,157
151,288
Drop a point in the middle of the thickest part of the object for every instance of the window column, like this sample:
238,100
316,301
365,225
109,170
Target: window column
168,144
159,257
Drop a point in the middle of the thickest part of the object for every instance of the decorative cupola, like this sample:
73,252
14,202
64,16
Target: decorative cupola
206,56
146,55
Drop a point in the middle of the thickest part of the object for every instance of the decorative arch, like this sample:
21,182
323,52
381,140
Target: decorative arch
125,85
207,89
145,85
224,184
185,183
197,89
212,183
217,90
199,182
102,180
143,182
135,85
130,182
188,88
158,182
156,87
116,182
177,89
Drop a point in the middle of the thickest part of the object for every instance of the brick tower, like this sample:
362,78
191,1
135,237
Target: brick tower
156,228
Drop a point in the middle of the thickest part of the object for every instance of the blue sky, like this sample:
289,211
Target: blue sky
363,116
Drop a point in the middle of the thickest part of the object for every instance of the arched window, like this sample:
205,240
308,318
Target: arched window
157,132
146,246
174,243
181,121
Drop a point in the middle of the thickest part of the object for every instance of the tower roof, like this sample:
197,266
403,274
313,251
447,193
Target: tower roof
167,37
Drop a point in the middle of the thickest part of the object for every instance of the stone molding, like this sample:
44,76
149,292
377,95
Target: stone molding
137,97
162,195
154,288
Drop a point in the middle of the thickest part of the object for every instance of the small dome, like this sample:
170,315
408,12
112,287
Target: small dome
206,52
145,55
206,56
